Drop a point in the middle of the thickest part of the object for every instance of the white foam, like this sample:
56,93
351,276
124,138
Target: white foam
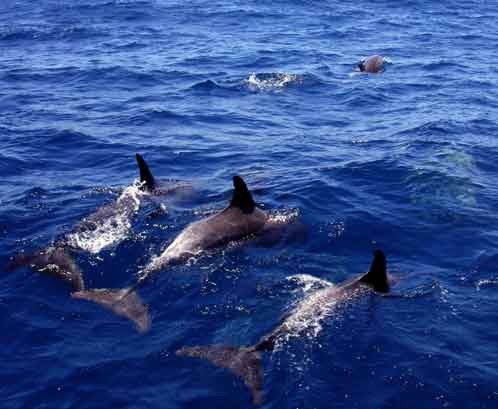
308,282
306,317
486,282
272,81
111,223
283,217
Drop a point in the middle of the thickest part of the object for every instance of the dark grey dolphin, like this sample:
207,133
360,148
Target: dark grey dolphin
111,223
373,64
55,261
246,362
108,225
240,219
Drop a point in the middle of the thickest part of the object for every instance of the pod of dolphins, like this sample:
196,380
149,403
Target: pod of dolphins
240,219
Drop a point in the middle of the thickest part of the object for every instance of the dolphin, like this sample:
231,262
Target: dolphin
106,226
246,362
373,64
110,223
240,219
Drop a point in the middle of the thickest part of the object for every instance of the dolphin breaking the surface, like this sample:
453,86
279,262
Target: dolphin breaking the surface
107,226
373,64
246,362
240,219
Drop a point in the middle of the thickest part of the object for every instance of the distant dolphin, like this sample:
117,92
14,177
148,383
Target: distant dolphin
373,64
107,226
240,219
246,362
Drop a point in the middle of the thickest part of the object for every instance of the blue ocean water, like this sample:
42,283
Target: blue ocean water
404,161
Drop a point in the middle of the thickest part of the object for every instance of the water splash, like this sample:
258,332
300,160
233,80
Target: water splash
308,283
305,318
283,216
486,283
269,81
109,225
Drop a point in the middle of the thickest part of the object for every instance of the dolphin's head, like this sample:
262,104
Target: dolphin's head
373,64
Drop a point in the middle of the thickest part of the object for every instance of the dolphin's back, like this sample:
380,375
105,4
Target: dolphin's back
221,228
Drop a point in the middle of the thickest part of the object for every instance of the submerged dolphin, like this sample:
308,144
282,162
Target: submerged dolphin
373,64
240,219
108,225
246,362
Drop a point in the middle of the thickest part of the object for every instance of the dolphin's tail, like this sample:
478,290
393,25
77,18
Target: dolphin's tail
123,302
55,261
243,362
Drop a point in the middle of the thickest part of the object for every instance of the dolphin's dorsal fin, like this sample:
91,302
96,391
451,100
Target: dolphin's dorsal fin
145,174
241,196
377,275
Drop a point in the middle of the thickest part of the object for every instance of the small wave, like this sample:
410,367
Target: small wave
256,82
133,45
123,9
46,34
210,85
432,129
108,225
158,115
10,165
486,283
119,76
420,291
205,85
371,98
443,66
269,81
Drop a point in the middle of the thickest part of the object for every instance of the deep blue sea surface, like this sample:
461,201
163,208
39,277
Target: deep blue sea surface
406,161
